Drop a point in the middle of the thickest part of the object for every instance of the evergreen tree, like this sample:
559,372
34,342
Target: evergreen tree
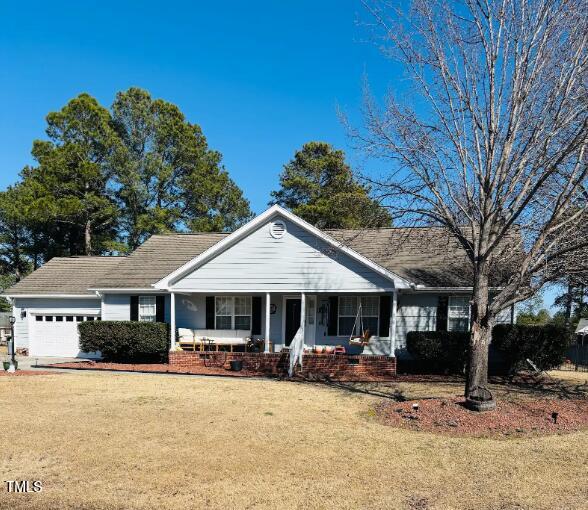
15,237
533,312
319,186
168,179
70,184
572,302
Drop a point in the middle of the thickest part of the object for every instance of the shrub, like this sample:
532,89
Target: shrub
544,345
439,351
125,341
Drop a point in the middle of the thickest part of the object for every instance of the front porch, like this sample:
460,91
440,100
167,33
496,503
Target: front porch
268,322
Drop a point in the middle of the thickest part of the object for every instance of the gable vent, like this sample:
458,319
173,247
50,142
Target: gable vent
277,229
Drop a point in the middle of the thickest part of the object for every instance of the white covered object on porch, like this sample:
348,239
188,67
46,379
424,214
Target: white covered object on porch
232,337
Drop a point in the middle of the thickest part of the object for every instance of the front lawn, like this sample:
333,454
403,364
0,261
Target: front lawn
105,440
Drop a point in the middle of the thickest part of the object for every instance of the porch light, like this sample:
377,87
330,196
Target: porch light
11,346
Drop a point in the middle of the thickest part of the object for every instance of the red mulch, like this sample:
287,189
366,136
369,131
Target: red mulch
205,370
511,418
27,372
153,367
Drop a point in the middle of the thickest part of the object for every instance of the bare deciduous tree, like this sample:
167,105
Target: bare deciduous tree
490,140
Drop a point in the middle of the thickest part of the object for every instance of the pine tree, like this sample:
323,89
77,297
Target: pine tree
319,186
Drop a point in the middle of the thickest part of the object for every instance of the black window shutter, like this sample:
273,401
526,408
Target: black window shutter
385,303
442,313
209,312
160,308
256,315
333,315
134,308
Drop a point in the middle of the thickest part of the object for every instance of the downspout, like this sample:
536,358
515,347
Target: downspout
101,296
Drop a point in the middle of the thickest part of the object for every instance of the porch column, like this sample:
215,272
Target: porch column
267,322
172,320
393,323
302,314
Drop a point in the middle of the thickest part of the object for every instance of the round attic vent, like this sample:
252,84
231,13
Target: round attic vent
277,229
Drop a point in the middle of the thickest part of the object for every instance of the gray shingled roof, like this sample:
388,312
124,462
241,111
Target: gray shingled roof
156,258
423,255
428,256
66,275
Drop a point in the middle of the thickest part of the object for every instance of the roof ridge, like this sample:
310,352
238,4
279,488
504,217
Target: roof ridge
384,228
70,257
188,234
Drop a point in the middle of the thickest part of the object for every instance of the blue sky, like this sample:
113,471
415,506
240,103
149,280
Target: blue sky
260,77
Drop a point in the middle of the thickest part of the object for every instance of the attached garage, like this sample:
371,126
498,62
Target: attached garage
50,303
56,335
49,327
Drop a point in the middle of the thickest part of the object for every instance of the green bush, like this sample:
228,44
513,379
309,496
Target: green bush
439,351
126,341
544,345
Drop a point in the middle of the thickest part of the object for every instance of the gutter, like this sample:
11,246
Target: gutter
422,288
121,290
58,296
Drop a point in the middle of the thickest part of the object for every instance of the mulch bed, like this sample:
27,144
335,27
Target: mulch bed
160,368
511,418
26,372
164,368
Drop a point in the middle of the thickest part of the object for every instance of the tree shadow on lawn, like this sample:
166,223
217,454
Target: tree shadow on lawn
422,387
544,386
399,390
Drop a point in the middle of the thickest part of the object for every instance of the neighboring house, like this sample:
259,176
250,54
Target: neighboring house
582,329
253,282
4,327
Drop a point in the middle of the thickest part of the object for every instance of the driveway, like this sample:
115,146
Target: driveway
31,362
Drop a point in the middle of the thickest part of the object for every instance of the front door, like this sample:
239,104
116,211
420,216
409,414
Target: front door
292,318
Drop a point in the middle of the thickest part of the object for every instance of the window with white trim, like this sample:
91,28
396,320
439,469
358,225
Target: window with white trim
458,313
233,312
369,317
147,309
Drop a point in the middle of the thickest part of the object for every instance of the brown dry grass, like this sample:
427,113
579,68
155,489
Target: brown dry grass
102,440
570,375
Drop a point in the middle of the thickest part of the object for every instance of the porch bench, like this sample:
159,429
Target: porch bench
214,337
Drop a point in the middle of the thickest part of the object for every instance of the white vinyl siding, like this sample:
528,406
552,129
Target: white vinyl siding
416,312
147,309
297,262
233,312
348,315
116,307
458,313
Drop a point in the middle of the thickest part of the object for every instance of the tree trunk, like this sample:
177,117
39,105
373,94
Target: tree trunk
88,238
477,373
478,358
568,305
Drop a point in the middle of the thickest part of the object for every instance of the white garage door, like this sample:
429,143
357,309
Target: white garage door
56,335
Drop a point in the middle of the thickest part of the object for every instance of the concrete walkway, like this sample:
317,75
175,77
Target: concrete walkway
31,362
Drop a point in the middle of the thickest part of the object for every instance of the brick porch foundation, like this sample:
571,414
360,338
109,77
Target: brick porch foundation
336,366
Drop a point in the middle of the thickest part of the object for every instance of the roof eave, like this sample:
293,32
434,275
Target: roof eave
424,288
52,295
126,290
